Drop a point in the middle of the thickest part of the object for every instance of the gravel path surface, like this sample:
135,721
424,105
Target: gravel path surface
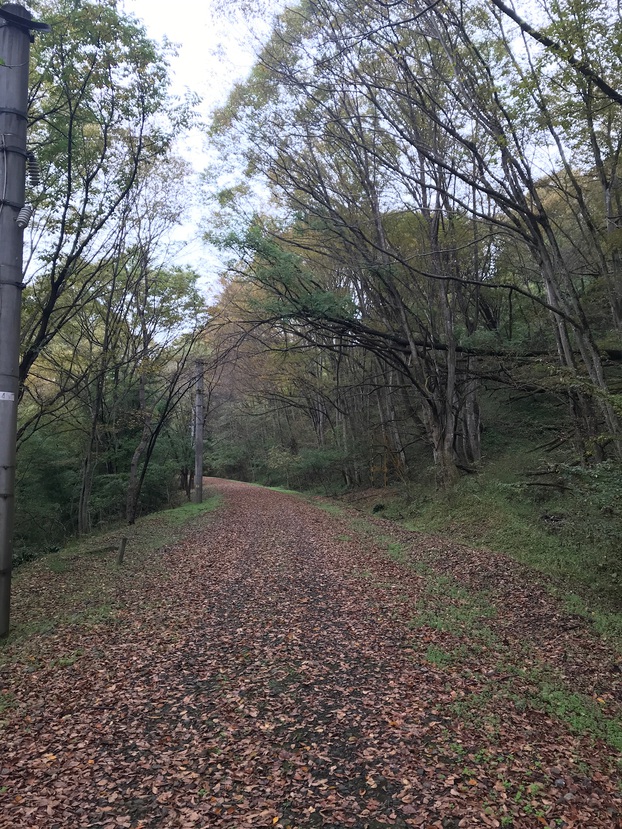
269,673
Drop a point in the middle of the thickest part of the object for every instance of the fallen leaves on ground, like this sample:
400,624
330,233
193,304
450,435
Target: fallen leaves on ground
252,677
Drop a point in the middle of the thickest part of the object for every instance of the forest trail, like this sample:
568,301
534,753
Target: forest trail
286,667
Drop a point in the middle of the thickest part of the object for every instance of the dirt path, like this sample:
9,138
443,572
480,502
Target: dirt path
272,675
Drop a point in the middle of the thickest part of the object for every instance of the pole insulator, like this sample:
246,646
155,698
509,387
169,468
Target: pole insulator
33,169
23,217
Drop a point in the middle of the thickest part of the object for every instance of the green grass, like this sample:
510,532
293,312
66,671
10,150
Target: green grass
397,552
528,500
65,661
439,657
467,616
86,574
331,509
607,623
279,488
444,605
567,535
180,515
7,701
448,607
57,564
158,529
578,711
582,714
284,489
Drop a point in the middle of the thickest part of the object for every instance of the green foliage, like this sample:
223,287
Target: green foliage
47,489
227,459
180,515
108,497
160,484
505,280
45,492
319,467
106,326
293,289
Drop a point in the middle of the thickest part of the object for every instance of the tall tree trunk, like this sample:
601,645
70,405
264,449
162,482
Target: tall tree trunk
443,451
134,482
470,419
86,484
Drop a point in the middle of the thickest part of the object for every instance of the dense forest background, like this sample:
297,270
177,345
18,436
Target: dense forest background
422,210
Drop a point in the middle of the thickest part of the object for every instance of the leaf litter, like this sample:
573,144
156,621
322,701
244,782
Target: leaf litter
252,676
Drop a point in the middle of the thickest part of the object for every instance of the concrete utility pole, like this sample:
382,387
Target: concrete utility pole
16,26
198,433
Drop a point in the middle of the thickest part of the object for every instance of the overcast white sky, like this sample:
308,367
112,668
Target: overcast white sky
213,54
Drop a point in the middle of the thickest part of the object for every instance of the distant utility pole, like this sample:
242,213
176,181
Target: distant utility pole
199,417
16,28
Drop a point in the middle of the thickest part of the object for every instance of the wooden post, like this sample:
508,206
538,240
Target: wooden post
122,545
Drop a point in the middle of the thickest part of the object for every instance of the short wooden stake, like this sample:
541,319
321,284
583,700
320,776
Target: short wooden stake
122,544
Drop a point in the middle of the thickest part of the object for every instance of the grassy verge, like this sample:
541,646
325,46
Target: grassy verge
453,629
79,584
566,523
573,535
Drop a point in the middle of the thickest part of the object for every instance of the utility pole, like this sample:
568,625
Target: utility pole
16,27
198,433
